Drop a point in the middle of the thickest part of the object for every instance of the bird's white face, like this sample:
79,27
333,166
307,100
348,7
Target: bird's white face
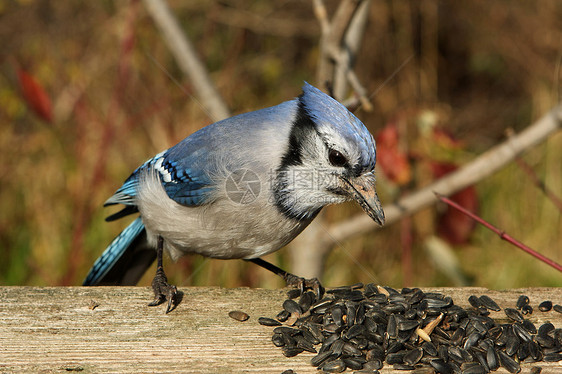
329,170
329,158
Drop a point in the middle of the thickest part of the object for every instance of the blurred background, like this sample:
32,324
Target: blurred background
89,91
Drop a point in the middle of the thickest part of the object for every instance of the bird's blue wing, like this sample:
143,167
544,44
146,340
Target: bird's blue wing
182,179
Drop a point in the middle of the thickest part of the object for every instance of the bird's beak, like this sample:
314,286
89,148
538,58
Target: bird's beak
362,189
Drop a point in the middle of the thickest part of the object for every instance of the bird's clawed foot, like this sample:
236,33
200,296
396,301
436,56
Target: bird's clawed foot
305,284
163,291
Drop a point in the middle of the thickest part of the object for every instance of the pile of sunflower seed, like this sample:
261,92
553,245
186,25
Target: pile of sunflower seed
363,327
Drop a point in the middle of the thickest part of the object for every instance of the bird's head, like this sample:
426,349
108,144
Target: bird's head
330,158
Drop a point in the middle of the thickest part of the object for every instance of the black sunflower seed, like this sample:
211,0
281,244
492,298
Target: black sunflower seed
350,312
278,340
535,351
513,314
337,315
521,332
458,336
375,353
522,301
328,342
523,351
283,316
443,353
487,301
337,347
441,366
473,368
351,350
268,321
373,365
471,340
526,310
429,348
292,307
289,351
545,306
320,358
474,301
455,355
334,366
392,327
353,363
413,356
407,325
545,329
492,358
508,363
495,332
293,293
395,358
303,343
354,331
480,356
557,308
357,286
512,341
285,330
529,326
315,330
360,314
306,300
545,341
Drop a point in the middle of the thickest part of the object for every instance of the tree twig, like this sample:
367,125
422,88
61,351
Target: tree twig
186,57
339,43
501,233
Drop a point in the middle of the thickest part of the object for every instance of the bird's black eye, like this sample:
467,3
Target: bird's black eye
336,158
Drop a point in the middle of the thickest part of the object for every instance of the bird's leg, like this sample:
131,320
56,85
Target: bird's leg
292,280
162,290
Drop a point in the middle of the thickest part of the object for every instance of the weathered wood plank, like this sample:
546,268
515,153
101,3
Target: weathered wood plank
56,330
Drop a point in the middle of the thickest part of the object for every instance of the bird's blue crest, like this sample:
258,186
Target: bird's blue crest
331,117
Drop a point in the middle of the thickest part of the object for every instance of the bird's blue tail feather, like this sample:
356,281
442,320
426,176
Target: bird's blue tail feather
114,252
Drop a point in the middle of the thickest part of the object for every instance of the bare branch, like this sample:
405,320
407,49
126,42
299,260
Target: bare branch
186,57
351,44
339,43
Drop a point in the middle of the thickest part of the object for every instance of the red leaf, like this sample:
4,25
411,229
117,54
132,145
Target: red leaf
393,161
35,96
454,226
445,139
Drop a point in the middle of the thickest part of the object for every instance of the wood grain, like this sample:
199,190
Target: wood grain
57,329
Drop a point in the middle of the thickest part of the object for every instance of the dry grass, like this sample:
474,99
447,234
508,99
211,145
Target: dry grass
479,67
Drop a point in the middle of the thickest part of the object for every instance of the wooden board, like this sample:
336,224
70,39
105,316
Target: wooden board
55,329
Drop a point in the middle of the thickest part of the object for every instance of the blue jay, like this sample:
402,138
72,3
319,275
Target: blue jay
241,188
